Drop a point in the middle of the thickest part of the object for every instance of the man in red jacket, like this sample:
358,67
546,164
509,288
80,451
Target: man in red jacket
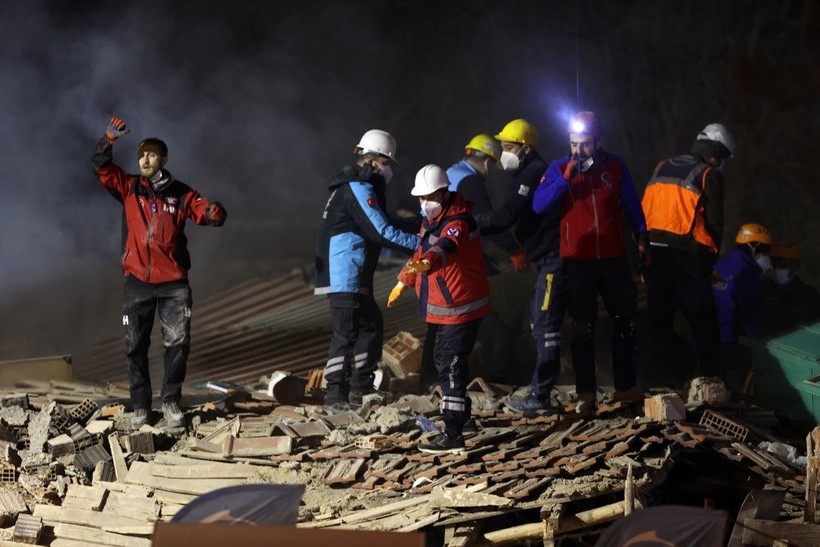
448,273
155,263
595,190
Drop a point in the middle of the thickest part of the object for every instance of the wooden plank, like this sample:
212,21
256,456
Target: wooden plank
210,470
369,513
461,536
120,467
140,474
764,532
100,537
51,514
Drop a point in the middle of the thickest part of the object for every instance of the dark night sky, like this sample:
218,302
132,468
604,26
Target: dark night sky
261,102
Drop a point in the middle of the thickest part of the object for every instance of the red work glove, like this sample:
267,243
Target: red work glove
215,213
116,129
571,166
644,251
519,261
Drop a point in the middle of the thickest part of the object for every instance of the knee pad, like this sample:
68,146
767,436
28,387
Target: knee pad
582,330
624,326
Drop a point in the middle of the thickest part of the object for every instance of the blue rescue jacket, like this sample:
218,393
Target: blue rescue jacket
738,291
354,227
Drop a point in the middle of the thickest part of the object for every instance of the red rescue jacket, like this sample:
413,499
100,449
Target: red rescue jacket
455,290
154,245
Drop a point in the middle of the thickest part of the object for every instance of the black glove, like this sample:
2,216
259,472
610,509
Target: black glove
216,213
644,251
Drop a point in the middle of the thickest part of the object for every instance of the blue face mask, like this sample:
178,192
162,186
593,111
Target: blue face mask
764,261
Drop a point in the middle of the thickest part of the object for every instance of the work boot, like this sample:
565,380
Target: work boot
530,404
173,414
336,406
470,426
443,444
586,404
355,397
139,418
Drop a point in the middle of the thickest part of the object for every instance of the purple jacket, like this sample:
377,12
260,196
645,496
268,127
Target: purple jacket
738,292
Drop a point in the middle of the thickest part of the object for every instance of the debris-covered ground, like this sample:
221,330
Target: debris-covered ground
73,472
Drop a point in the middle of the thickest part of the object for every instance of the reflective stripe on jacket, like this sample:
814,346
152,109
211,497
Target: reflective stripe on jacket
673,201
455,290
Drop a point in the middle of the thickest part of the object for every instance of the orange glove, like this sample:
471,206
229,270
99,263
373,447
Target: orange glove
215,213
418,266
571,166
115,130
519,261
397,291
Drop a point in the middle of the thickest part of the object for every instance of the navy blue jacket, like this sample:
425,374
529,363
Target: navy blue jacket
738,292
353,230
538,233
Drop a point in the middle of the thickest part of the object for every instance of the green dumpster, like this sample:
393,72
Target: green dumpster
787,374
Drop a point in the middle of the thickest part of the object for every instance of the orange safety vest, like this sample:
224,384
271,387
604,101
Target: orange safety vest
673,200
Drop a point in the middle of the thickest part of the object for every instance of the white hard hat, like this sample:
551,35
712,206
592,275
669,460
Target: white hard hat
380,142
718,133
429,179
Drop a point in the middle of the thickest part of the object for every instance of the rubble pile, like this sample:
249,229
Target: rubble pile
74,473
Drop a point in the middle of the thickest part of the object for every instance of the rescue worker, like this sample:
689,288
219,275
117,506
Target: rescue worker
469,178
448,273
738,289
789,302
472,178
354,227
538,233
155,263
683,204
594,190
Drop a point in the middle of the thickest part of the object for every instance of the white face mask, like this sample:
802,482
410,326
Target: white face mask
431,209
764,261
387,172
509,161
783,276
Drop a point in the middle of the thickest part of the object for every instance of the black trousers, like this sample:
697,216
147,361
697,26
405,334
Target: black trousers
677,280
453,344
547,310
141,302
612,278
355,346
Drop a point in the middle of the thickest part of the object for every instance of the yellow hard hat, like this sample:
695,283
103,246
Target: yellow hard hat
484,144
520,131
754,233
786,249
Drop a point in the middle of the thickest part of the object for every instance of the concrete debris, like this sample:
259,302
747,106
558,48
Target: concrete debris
81,474
706,390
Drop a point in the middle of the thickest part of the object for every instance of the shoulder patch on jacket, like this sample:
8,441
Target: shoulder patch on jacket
453,232
524,190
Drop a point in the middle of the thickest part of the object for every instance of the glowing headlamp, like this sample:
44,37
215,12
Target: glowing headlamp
577,126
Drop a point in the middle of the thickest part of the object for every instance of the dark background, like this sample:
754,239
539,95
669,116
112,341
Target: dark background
261,103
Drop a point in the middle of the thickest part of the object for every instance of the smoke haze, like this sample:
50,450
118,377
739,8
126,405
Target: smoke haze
261,103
